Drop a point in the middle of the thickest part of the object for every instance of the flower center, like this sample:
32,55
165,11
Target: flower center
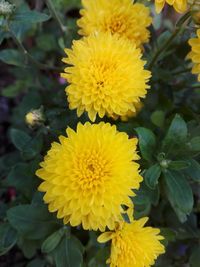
117,24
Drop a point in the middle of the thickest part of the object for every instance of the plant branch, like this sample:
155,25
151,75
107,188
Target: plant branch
55,15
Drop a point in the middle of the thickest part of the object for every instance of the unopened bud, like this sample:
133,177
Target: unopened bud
6,8
34,117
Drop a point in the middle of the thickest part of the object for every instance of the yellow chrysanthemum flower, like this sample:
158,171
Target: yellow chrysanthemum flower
106,76
179,5
89,176
194,55
133,245
120,17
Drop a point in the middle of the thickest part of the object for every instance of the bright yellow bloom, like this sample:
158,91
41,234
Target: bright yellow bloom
120,17
179,5
134,245
89,175
194,55
106,76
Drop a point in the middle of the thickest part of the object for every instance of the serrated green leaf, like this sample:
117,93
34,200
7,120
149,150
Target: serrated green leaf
179,192
152,175
147,142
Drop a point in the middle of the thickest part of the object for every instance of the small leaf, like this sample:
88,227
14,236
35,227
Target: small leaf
193,171
177,133
36,263
152,175
178,165
14,89
8,238
147,142
179,191
19,138
29,16
52,241
158,118
195,144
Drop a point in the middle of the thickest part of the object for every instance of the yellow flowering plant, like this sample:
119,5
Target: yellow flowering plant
100,143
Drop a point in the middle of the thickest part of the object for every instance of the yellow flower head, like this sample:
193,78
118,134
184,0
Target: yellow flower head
106,76
89,176
134,245
120,17
179,5
194,55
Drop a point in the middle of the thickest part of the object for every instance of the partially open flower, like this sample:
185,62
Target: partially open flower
133,245
34,117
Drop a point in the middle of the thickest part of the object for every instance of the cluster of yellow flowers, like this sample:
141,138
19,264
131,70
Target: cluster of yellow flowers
90,175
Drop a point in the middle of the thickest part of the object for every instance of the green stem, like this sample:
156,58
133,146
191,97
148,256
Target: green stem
163,48
28,56
182,71
55,15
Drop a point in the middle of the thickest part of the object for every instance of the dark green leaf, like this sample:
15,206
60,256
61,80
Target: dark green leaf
177,133
68,253
158,118
8,238
14,89
147,142
195,144
194,170
168,234
19,138
12,57
29,16
32,221
36,263
52,241
179,192
178,165
152,175
28,247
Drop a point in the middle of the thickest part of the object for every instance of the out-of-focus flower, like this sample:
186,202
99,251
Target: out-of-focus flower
131,114
195,9
179,5
106,76
194,54
89,176
120,17
6,8
34,117
133,245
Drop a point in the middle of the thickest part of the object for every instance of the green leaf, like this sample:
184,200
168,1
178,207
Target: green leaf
178,165
28,247
52,241
193,171
195,144
12,57
168,234
32,221
28,146
179,192
14,89
29,16
152,175
68,253
158,118
8,238
177,133
147,142
195,258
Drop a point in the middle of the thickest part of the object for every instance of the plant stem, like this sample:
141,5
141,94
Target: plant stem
182,71
55,15
163,48
28,56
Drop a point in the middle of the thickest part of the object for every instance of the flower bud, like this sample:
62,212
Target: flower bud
6,8
34,117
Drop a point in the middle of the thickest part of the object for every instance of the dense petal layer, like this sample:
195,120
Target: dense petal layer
194,54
